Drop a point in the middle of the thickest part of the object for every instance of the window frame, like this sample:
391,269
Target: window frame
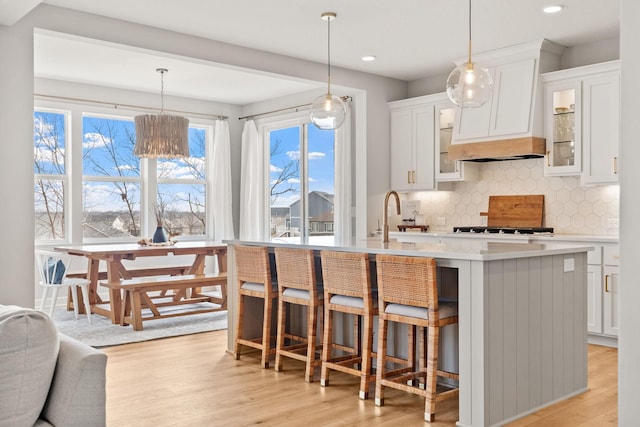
75,111
266,126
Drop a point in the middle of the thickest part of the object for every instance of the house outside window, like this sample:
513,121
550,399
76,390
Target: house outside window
301,179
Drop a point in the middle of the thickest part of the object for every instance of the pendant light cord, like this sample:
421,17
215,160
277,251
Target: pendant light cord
329,56
162,91
469,61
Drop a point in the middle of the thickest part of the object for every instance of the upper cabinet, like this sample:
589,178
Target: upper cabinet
514,110
447,169
582,122
421,131
412,146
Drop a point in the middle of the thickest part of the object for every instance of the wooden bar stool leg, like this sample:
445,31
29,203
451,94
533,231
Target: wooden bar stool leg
365,380
433,335
236,347
312,315
266,331
327,344
382,355
282,321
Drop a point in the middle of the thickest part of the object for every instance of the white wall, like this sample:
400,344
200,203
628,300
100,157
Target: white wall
16,117
629,340
16,172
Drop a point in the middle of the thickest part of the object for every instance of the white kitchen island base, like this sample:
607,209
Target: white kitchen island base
522,322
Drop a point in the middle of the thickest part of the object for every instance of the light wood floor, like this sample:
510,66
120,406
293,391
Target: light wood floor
192,381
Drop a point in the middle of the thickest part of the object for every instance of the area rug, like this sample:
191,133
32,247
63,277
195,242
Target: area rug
102,333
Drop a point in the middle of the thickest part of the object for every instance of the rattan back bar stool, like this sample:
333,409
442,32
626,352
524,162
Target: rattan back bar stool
298,285
253,275
408,293
347,289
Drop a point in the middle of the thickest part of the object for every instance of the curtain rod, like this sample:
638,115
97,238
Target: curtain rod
134,107
252,116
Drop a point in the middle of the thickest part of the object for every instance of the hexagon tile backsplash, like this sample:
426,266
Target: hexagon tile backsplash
569,207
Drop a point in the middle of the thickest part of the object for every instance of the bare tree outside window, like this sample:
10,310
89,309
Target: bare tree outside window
182,189
111,193
49,171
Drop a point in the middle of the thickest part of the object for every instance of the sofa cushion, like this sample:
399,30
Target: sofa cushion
28,357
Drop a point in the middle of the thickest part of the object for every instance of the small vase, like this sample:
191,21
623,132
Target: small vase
159,236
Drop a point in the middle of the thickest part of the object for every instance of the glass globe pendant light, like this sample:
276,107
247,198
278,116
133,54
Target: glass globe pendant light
328,111
469,85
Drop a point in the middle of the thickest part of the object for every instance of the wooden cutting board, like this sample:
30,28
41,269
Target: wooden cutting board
515,211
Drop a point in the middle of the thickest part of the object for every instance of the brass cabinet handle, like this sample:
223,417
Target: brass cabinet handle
408,177
606,283
548,158
615,165
413,176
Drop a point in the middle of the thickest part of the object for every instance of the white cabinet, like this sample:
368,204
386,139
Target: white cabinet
594,298
601,128
582,122
510,108
611,290
603,286
450,170
412,148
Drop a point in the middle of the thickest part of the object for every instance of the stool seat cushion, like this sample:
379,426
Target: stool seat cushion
301,293
258,287
445,309
353,302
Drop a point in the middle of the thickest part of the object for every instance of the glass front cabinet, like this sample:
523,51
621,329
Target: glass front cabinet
446,169
562,128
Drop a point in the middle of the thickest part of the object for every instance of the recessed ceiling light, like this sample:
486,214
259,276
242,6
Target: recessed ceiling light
552,9
368,58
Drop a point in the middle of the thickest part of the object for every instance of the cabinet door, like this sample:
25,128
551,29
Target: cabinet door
562,122
601,128
611,300
401,149
512,98
594,299
424,141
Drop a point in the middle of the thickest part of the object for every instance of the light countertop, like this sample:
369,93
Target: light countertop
460,249
541,237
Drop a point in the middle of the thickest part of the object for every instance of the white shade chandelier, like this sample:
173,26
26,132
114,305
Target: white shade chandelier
470,84
161,135
328,111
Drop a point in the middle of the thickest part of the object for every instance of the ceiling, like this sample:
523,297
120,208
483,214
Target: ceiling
411,39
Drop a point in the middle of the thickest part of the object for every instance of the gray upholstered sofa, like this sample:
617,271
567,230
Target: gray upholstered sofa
46,378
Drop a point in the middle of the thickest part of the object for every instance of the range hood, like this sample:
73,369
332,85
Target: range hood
503,149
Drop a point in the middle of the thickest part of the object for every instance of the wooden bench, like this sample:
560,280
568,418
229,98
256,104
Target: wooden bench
186,290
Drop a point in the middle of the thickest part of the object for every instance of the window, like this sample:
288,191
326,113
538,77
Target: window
49,167
301,181
107,192
111,178
180,205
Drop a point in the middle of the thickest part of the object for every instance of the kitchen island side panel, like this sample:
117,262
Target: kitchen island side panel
536,339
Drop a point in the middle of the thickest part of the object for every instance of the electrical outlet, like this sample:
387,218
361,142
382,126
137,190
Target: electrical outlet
569,265
613,223
441,221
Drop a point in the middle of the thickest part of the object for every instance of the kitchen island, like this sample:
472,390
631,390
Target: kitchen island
522,320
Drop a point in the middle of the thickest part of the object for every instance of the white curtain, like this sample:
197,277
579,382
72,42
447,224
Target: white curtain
252,206
221,192
342,197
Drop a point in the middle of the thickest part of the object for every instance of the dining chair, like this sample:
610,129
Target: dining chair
253,275
408,294
53,268
298,286
346,279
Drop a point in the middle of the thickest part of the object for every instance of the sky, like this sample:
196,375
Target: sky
321,160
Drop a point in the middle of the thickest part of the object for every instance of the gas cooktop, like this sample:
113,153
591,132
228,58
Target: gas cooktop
503,230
